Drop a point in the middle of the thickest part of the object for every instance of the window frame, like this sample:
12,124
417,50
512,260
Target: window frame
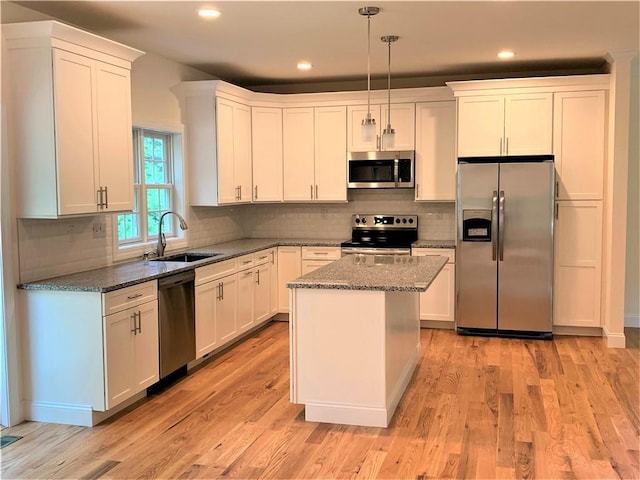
179,239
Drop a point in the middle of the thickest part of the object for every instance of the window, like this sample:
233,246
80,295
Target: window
154,189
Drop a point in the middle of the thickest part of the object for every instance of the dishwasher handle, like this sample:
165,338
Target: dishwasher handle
176,279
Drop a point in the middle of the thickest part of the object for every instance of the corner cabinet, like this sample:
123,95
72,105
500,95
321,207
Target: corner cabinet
315,154
71,92
497,125
88,354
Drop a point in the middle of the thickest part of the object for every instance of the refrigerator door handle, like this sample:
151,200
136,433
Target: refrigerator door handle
494,226
501,226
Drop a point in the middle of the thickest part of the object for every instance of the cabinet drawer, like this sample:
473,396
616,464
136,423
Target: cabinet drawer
321,253
445,252
129,297
245,261
264,256
211,272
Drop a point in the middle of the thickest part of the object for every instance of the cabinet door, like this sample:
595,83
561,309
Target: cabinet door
242,152
119,347
266,135
355,115
480,126
330,154
273,283
262,292
115,145
403,121
75,122
578,264
298,150
206,296
245,317
438,302
578,144
289,268
146,352
226,325
436,151
227,188
528,127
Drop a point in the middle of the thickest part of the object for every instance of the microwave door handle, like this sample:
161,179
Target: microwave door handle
395,171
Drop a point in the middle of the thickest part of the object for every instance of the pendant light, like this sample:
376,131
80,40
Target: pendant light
389,134
368,123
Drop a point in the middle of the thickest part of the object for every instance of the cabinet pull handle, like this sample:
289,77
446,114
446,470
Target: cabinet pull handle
139,322
135,327
417,190
557,210
246,261
137,295
258,274
501,146
321,253
246,274
256,194
311,192
221,291
507,147
239,192
273,258
262,257
316,191
378,143
557,188
99,197
106,197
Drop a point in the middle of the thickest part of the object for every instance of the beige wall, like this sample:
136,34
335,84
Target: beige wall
632,272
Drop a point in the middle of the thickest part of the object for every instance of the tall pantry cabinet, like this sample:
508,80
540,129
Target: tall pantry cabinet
70,120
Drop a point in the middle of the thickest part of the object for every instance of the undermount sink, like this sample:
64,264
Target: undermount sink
185,257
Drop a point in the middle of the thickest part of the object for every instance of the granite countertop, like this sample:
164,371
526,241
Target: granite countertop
426,243
124,275
374,272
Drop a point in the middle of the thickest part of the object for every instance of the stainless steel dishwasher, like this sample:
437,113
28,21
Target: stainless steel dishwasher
176,311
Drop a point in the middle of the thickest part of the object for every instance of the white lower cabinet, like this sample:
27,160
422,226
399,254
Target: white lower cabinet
438,302
577,264
131,346
108,354
316,257
232,297
289,268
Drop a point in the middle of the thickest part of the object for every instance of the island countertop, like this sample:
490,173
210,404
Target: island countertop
374,272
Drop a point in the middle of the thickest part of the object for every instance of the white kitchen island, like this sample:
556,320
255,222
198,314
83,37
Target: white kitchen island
354,336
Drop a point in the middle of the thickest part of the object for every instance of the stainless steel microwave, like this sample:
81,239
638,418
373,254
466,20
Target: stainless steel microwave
390,169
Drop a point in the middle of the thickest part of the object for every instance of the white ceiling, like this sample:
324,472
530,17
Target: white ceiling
259,42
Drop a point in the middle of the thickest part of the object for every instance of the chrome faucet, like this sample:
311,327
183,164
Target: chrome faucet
162,242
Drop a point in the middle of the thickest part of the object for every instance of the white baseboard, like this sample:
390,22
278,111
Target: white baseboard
614,340
632,320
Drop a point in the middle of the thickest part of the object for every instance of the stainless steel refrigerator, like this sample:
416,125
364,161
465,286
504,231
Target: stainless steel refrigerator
504,258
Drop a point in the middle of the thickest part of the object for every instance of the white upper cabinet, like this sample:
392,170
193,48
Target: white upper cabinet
233,129
579,144
266,144
495,125
402,121
71,120
315,156
436,151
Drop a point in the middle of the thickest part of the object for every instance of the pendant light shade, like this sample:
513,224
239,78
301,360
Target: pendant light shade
368,123
389,134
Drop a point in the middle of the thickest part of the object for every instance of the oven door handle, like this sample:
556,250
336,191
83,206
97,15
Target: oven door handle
396,171
376,251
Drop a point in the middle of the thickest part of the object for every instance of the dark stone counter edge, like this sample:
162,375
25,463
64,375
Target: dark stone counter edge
177,267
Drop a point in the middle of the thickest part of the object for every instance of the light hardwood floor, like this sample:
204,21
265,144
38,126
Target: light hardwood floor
476,408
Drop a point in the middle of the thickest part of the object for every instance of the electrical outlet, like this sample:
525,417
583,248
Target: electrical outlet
99,230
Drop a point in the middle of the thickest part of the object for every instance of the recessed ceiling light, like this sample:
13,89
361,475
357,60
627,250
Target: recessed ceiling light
506,54
209,13
304,66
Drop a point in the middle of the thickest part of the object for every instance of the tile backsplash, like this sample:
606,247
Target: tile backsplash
49,248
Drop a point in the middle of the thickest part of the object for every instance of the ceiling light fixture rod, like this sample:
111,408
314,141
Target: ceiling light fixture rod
368,123
389,133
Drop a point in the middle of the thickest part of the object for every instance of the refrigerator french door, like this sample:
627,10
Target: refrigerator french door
504,258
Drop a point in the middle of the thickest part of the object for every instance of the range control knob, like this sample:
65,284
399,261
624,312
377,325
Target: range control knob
357,220
397,220
411,220
404,220
364,220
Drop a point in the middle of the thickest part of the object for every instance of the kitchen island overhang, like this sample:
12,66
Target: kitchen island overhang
355,336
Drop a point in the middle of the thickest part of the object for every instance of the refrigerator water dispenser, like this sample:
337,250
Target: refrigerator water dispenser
476,225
